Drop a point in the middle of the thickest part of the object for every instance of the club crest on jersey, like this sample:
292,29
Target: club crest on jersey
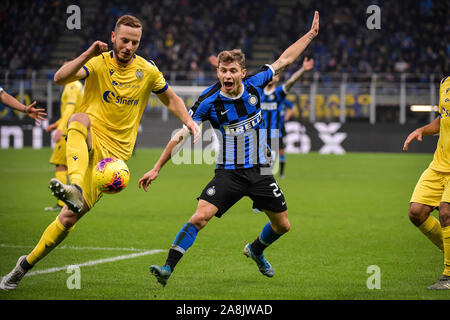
253,100
139,74
211,191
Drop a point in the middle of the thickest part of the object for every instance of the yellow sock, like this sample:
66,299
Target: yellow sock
77,152
432,229
52,236
446,238
61,176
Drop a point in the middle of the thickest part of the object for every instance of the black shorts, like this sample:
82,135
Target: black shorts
229,186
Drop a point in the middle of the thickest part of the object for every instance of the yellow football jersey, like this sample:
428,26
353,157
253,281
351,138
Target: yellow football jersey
115,98
71,100
441,159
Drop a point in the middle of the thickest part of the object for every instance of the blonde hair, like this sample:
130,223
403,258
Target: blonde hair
229,56
130,21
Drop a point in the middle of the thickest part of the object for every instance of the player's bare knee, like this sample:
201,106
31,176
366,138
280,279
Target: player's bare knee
283,227
82,118
199,220
444,214
418,213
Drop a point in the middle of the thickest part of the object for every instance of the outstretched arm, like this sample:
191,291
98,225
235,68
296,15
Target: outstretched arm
34,113
172,147
307,65
176,105
294,50
429,129
73,70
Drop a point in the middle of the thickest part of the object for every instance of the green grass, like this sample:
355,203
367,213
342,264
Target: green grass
346,212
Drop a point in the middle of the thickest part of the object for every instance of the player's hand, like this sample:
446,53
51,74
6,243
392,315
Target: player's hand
97,48
147,179
315,26
213,61
415,135
308,64
195,130
35,113
51,127
57,136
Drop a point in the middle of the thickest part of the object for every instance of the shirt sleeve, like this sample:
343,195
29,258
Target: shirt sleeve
262,77
159,84
90,66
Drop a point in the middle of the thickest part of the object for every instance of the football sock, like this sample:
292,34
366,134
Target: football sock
446,240
77,152
52,236
282,164
61,176
267,237
431,228
183,240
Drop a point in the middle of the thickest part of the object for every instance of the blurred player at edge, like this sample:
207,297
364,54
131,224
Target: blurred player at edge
433,188
118,85
34,113
273,105
232,106
71,99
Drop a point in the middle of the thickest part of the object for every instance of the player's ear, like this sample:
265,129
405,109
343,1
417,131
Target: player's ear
113,37
244,72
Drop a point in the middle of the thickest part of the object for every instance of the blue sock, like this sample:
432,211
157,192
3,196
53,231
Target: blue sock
185,238
283,158
268,236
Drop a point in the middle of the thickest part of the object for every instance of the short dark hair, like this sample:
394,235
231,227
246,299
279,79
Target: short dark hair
229,56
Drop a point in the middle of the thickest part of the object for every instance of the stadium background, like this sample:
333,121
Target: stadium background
361,76
357,99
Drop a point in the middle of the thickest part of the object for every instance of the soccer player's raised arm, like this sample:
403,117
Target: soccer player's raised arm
176,105
293,51
172,147
429,129
307,65
73,70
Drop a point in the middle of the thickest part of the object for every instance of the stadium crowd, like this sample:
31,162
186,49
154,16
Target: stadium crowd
179,35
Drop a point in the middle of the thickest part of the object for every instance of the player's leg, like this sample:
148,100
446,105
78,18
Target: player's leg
220,194
271,232
184,240
426,196
79,142
53,235
268,197
419,215
443,283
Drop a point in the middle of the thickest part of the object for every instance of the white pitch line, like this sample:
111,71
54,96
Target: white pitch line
4,245
95,262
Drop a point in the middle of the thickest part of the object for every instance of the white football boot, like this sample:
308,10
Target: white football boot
70,194
12,279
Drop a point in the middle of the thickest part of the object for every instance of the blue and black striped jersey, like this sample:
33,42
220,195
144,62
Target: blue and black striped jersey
285,104
271,105
238,121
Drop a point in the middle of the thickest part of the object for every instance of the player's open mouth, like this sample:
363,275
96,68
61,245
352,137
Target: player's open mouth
228,85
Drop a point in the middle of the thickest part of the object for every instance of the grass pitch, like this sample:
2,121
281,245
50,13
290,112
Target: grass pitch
347,213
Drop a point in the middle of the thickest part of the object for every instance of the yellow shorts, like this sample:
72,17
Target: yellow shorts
432,188
91,193
59,153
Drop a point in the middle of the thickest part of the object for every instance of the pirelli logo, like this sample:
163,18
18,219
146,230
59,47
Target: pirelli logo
240,127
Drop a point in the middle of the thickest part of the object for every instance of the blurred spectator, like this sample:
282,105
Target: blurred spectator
29,30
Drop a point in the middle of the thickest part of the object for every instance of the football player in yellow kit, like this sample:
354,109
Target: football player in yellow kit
433,188
71,99
118,85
